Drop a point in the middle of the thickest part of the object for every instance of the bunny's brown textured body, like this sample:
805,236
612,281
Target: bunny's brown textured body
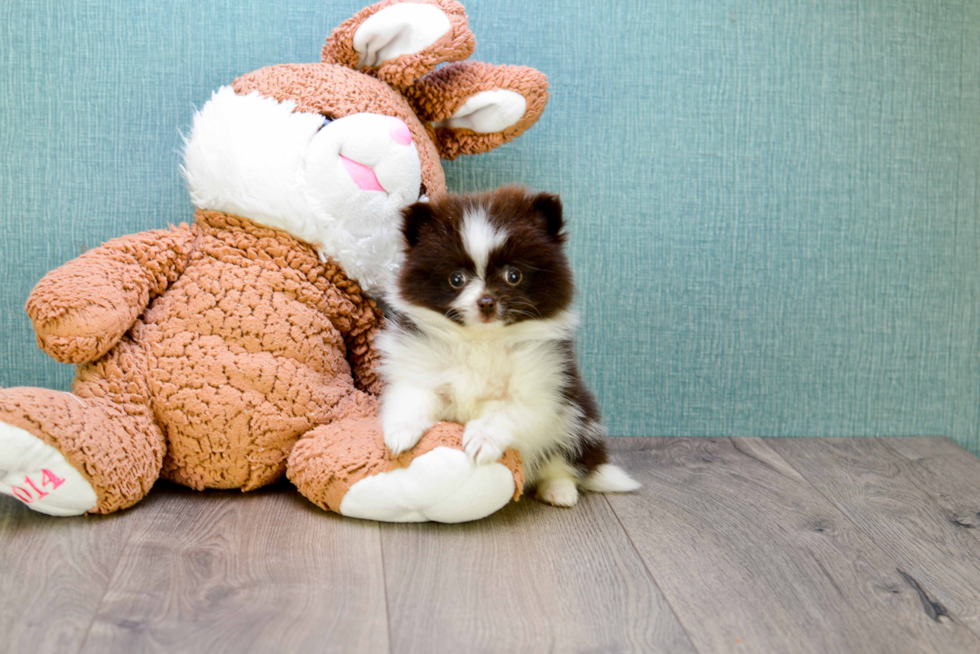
252,345
267,329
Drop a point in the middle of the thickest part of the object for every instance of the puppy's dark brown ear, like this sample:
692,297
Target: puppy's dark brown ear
547,215
414,218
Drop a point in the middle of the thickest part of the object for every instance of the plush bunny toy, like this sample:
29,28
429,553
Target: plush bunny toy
229,352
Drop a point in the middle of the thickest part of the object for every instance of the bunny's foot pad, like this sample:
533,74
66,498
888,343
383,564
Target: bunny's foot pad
443,485
39,476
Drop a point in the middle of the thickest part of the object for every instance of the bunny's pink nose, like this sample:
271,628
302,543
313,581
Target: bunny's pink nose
399,132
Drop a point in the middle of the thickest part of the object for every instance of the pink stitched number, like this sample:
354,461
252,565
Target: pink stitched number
48,478
40,493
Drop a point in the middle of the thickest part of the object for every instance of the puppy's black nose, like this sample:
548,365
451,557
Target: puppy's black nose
488,305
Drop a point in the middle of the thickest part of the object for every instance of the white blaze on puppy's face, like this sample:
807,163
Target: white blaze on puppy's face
466,303
480,238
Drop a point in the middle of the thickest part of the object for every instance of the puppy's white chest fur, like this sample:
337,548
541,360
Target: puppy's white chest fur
465,375
484,372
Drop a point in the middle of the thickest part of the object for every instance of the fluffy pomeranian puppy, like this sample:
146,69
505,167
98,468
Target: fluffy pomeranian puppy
483,337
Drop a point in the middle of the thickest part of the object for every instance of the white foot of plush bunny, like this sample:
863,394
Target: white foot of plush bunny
39,476
345,467
443,485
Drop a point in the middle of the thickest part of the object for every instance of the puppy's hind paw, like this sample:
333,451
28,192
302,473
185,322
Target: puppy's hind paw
558,492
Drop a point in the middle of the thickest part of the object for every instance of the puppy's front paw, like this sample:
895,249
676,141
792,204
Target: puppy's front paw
482,443
558,492
402,435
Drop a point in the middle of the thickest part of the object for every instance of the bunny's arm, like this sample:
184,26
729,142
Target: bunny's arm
81,309
358,319
361,352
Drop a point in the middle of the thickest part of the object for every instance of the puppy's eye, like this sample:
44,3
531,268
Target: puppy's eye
457,279
513,276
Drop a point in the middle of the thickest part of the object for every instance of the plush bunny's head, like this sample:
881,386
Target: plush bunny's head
332,152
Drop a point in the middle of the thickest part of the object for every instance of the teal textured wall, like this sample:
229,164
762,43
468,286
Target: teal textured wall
774,205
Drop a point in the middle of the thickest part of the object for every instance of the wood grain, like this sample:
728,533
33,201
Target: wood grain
752,558
232,572
53,573
948,474
864,545
531,578
882,491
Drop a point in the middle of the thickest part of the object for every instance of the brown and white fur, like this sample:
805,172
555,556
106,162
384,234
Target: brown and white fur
483,337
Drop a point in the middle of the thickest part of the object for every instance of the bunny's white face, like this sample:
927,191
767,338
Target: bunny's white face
363,169
338,184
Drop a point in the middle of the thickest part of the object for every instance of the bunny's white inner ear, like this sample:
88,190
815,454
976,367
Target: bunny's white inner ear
488,111
400,29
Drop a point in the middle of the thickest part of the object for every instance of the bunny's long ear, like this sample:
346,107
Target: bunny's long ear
399,41
475,107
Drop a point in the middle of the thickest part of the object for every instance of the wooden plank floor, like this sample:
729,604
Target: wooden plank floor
732,545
